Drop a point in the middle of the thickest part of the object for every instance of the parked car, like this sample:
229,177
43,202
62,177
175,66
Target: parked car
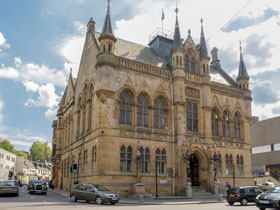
269,199
244,195
8,187
267,185
93,192
38,186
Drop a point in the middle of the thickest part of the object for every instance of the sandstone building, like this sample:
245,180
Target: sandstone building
164,102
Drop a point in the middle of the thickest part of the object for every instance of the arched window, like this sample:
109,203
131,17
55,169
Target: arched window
177,60
229,165
125,108
192,117
219,165
186,64
239,165
90,107
226,124
215,123
181,61
80,163
204,69
192,66
126,159
159,114
142,111
161,161
236,127
145,160
78,122
94,159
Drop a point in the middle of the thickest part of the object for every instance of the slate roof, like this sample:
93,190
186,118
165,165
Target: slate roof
107,26
203,47
242,69
219,75
29,164
177,41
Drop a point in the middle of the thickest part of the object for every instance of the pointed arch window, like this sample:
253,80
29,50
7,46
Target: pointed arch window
192,117
126,159
125,107
226,124
236,126
192,66
186,63
240,165
94,159
78,122
142,111
80,163
219,165
159,114
229,165
161,161
215,123
145,160
85,161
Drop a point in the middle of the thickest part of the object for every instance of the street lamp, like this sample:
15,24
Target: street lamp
215,158
187,159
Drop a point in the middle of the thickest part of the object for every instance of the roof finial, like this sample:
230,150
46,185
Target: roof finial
176,10
189,32
201,20
240,47
109,1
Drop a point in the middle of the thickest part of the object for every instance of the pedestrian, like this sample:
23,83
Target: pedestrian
228,187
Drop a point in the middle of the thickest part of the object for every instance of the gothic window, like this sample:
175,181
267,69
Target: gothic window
84,119
229,165
186,64
89,114
126,159
181,61
85,162
215,123
239,165
236,127
78,122
145,160
93,159
161,161
142,111
67,172
226,125
219,165
125,107
204,68
192,66
192,117
177,60
159,114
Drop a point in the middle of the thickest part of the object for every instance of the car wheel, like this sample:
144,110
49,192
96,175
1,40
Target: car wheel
87,201
113,203
17,194
244,202
99,200
230,203
73,198
262,208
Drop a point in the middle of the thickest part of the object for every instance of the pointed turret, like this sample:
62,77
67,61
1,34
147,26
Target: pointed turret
107,38
243,77
91,24
204,58
177,50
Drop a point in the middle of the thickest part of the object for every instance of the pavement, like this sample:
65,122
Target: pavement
167,200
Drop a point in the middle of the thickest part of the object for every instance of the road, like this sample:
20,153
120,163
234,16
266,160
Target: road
54,201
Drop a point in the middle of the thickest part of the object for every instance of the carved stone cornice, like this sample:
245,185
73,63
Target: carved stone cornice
103,95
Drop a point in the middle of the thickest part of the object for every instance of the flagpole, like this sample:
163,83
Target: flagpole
162,18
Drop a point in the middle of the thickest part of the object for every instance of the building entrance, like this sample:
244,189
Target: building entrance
194,170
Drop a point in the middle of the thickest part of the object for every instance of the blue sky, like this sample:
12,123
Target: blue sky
41,40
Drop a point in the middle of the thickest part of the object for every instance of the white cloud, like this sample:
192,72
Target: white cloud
9,73
47,97
31,86
51,114
3,41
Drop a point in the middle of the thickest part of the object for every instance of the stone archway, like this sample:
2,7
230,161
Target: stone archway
199,168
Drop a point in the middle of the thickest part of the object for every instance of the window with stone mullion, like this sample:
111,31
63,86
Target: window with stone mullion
215,123
226,125
142,112
219,165
192,117
159,114
94,159
158,161
163,161
125,109
85,162
123,159
236,126
129,159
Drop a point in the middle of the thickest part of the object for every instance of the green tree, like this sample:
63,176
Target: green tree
40,151
21,153
6,145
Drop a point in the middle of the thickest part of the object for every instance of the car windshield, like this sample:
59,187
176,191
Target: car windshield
274,190
37,181
7,183
233,190
101,188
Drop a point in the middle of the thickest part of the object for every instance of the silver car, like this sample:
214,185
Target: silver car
8,187
93,192
38,186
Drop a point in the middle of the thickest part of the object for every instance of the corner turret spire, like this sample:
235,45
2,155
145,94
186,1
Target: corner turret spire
177,42
203,47
107,39
242,69
107,27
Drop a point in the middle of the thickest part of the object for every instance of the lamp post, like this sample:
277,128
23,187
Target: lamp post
215,158
233,175
186,159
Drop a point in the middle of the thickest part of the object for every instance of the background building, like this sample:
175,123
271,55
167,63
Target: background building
135,111
7,164
266,146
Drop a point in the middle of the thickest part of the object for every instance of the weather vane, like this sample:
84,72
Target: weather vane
240,47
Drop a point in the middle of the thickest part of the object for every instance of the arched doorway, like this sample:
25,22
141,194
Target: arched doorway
194,170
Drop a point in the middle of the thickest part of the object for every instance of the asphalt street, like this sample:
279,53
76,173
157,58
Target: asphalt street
54,201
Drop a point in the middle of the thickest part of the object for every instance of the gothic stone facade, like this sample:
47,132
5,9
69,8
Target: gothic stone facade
127,93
